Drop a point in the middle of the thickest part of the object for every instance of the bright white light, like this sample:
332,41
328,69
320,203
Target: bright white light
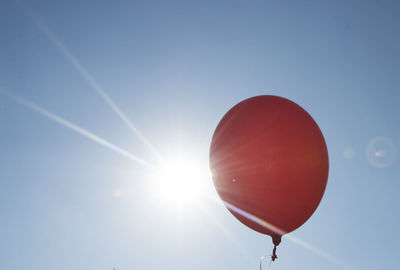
180,181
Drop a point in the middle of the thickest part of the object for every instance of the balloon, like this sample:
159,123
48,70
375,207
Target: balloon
269,159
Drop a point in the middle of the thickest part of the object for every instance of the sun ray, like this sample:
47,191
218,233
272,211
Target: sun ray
85,74
74,127
296,240
318,251
255,219
215,221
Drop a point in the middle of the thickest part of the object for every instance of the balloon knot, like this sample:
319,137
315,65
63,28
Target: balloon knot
274,257
276,239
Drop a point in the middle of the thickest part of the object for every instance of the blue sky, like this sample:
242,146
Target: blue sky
174,68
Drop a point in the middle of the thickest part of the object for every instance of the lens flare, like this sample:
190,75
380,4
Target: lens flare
349,153
381,152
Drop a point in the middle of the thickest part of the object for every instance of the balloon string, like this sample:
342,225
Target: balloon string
269,265
261,261
273,258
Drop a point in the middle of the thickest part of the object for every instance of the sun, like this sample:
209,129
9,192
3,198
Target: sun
180,181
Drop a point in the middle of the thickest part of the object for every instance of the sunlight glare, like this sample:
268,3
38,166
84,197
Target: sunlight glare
180,181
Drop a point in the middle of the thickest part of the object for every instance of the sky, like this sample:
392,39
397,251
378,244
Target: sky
92,93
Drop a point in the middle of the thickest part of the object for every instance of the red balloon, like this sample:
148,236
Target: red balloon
269,159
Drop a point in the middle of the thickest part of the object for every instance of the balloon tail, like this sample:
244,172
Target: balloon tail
276,239
274,257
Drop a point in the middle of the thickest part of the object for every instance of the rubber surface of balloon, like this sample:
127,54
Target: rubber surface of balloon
269,159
